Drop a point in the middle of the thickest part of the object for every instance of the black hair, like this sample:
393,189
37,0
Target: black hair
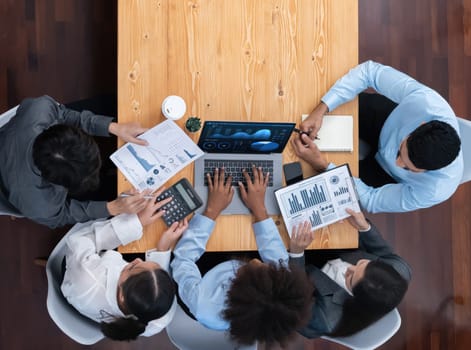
379,291
267,303
433,145
69,157
147,296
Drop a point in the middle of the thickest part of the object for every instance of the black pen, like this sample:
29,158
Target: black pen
300,132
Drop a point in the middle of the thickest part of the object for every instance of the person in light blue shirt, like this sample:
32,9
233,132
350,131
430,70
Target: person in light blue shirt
254,301
416,145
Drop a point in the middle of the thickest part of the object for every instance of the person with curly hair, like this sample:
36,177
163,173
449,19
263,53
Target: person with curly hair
259,301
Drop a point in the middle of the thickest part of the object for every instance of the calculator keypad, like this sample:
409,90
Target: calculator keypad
176,210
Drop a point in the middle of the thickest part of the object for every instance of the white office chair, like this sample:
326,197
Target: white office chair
465,134
70,321
5,207
372,336
5,117
187,334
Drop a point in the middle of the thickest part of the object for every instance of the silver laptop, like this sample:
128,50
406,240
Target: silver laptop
236,146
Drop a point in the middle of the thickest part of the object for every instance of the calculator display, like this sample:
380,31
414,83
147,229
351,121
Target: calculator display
185,196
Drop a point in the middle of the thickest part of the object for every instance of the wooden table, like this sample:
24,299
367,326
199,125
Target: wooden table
237,60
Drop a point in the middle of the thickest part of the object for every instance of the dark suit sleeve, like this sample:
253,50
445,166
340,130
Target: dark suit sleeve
372,242
297,262
89,122
51,207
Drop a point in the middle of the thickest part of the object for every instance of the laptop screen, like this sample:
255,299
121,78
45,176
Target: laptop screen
244,137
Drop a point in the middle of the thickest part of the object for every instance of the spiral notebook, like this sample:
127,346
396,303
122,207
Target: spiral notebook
335,134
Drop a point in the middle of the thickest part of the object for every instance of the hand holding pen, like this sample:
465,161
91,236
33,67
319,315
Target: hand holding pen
131,202
313,122
300,132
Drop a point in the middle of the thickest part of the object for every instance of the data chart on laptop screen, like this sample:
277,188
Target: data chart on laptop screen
242,137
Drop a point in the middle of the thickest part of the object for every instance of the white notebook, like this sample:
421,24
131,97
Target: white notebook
335,134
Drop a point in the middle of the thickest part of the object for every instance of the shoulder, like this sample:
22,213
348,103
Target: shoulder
37,103
40,111
435,186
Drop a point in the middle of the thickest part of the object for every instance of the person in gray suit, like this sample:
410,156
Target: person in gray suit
49,158
355,289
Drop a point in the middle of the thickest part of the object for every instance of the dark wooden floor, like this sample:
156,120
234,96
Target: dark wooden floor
67,49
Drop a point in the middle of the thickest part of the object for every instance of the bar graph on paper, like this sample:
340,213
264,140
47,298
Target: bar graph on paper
321,199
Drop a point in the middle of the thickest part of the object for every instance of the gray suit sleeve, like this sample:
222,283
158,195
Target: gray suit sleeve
298,263
372,242
89,122
59,213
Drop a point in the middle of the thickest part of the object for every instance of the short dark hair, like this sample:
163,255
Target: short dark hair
69,157
433,145
379,291
267,303
147,296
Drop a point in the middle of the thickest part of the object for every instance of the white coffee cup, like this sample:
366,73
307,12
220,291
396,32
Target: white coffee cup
173,107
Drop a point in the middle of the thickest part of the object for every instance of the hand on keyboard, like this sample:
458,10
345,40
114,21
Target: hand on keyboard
220,193
254,195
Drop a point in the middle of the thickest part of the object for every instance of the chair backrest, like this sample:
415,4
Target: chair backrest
372,336
70,321
5,207
465,135
187,334
5,117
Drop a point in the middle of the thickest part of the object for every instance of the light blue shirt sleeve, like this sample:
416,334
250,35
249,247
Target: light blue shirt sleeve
386,80
205,296
417,104
269,243
187,251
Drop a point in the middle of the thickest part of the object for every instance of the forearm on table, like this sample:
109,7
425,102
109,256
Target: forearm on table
269,243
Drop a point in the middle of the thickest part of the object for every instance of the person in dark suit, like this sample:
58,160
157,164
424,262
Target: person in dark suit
355,289
50,161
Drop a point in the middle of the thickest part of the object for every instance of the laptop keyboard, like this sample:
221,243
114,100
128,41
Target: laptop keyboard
235,167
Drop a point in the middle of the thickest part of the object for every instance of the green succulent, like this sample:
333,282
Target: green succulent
193,124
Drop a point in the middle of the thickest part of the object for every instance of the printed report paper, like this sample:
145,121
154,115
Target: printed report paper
320,199
169,151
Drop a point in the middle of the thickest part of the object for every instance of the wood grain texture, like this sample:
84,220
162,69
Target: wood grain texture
236,60
442,321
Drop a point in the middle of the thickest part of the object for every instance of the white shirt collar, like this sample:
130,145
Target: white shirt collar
336,270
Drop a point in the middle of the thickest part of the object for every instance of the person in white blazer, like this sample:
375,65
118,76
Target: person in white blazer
127,299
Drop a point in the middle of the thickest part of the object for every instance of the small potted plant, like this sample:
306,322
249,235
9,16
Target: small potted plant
193,124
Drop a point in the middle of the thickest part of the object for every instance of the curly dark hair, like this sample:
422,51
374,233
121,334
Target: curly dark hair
267,303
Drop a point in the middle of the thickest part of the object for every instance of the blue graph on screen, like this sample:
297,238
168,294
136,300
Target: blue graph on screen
262,134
